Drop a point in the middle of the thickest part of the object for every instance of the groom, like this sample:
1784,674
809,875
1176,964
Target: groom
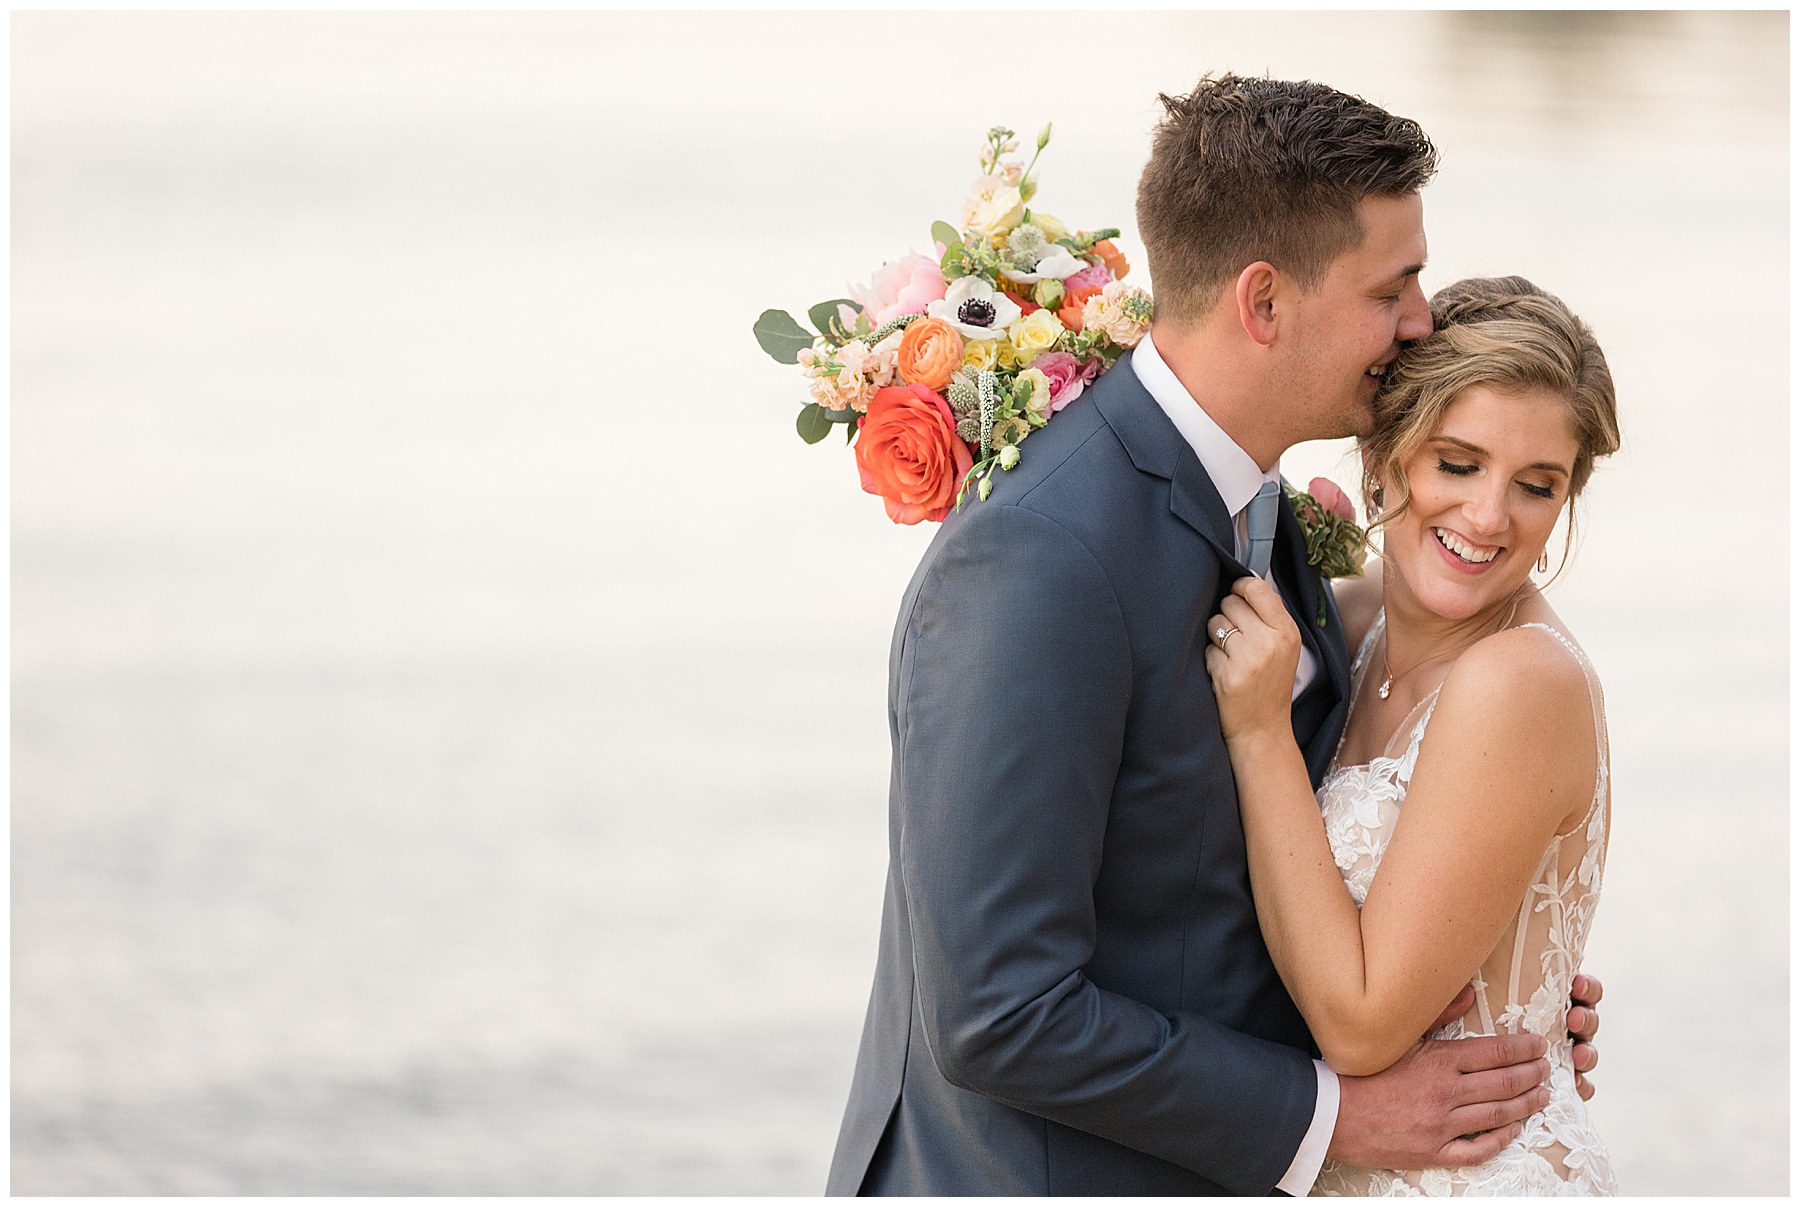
1072,995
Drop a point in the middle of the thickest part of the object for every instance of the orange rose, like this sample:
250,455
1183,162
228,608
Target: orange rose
930,351
907,451
1115,260
1070,312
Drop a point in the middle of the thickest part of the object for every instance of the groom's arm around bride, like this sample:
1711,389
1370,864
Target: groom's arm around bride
1073,995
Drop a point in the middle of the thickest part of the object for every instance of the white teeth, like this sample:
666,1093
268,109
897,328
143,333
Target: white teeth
1467,552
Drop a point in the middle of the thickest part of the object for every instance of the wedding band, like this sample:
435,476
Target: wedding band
1224,634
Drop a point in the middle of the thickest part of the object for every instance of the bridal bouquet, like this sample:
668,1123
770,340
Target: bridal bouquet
942,365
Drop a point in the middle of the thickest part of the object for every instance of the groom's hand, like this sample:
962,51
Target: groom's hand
1445,1103
1583,1022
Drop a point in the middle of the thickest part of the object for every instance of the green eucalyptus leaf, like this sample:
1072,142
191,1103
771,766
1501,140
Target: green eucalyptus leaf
812,424
850,430
781,337
943,232
825,313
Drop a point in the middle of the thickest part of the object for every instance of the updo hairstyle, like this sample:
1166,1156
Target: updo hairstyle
1502,332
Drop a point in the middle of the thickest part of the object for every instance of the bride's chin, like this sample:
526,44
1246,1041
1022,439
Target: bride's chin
1459,600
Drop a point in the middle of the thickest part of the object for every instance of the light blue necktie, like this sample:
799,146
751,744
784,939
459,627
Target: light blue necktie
1259,528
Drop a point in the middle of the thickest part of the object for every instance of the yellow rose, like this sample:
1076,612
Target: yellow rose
1039,402
1053,229
1036,332
992,208
1009,431
979,354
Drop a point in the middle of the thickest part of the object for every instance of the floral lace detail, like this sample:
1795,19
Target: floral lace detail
1558,1153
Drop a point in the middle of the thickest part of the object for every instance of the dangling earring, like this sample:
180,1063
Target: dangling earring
1543,560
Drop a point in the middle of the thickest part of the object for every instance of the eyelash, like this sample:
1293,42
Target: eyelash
1460,471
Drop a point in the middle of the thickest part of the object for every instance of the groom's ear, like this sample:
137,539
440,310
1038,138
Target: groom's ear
1257,287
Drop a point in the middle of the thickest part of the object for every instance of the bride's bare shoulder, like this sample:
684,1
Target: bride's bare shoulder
1518,703
1358,601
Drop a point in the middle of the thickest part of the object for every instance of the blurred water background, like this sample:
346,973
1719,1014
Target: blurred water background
448,731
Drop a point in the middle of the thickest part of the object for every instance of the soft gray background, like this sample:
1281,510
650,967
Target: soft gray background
448,733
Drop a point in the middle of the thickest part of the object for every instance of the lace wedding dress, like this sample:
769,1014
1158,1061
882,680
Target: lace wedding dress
1527,975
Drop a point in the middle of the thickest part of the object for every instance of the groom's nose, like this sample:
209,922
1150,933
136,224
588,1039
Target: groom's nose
1415,313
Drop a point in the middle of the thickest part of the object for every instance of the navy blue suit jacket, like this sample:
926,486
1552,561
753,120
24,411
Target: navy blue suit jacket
1072,995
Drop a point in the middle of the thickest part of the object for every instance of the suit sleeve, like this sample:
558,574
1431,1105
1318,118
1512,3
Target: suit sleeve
1015,682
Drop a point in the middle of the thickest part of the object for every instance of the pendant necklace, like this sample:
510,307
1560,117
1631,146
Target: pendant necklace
1387,683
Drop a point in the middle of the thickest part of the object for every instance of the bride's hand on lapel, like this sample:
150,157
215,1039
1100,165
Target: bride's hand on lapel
1254,652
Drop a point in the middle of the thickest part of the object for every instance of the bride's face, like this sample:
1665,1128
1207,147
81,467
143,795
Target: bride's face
1486,492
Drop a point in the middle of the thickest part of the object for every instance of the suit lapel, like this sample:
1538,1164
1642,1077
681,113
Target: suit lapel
1301,588
1196,502
1155,447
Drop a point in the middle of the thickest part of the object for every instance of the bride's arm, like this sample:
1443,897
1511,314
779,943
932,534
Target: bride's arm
1507,759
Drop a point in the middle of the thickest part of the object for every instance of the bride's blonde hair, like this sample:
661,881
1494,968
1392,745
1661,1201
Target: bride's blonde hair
1494,331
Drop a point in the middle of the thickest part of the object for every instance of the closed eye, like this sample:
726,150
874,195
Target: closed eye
1452,467
1542,492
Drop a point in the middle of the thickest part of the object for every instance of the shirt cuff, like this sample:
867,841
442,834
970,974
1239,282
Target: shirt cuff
1311,1158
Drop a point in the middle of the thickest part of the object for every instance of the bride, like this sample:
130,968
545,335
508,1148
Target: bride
1460,833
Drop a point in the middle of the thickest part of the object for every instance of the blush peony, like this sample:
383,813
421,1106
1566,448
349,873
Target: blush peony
907,451
905,286
1094,276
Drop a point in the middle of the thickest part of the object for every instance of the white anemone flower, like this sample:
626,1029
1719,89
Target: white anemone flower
1059,265
976,309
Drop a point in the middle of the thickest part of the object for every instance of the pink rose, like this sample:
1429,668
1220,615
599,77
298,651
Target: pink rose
1330,497
1068,377
905,286
1094,276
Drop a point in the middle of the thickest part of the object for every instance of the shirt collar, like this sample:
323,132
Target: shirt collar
1233,471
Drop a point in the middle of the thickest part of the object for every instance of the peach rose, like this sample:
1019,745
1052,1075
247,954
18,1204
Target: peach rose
1070,311
907,451
930,351
1113,258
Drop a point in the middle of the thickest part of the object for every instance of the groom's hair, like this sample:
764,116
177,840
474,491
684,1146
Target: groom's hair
1243,170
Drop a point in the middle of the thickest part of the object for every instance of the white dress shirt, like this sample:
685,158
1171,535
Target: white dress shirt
1238,478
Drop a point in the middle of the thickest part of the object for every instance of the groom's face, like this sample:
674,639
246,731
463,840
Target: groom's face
1350,328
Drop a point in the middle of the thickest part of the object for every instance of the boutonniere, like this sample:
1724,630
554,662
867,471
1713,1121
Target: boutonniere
1334,541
